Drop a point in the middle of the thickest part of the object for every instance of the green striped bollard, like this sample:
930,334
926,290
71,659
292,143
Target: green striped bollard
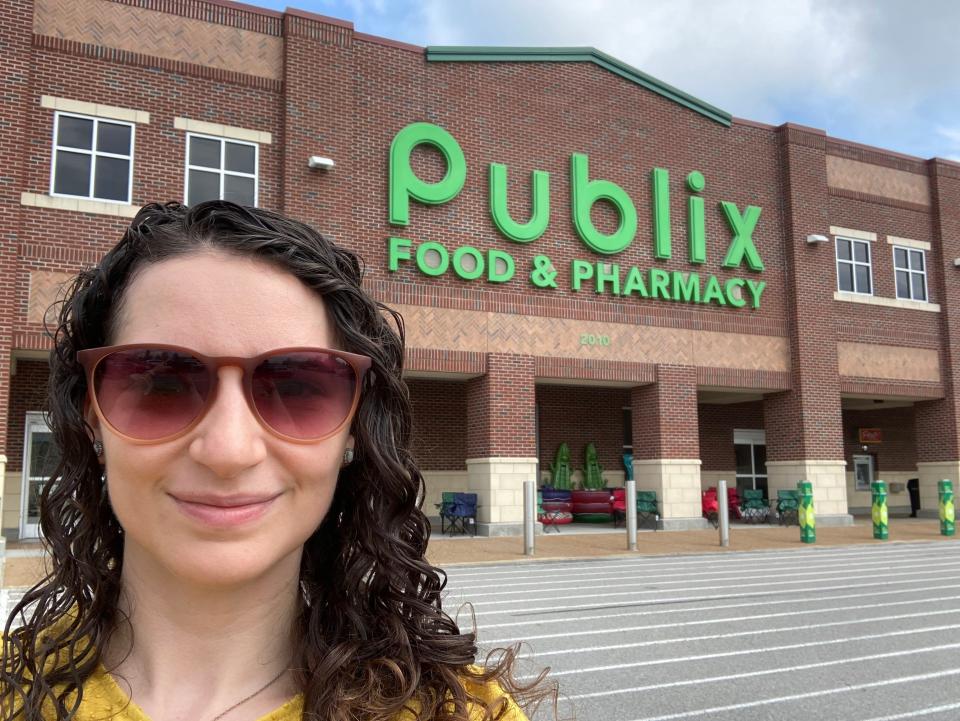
945,491
881,530
808,522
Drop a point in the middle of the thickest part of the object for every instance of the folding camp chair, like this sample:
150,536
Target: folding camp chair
788,507
754,507
445,509
647,508
463,515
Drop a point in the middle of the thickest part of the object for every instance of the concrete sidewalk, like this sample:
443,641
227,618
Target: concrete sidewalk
25,562
445,551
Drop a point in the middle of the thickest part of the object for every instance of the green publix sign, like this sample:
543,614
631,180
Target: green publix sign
497,266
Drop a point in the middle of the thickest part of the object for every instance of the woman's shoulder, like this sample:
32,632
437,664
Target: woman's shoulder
489,694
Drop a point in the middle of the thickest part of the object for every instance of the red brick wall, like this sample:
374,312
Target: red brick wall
28,392
346,96
665,415
897,452
16,25
501,409
716,423
578,415
439,424
805,422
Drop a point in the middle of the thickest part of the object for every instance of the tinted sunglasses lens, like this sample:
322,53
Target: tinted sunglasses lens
304,395
151,393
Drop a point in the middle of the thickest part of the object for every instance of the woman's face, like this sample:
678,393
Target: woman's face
220,305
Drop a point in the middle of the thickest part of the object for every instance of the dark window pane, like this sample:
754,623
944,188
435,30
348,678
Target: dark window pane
627,427
903,284
44,454
919,292
760,459
862,274
238,190
72,176
761,485
860,252
111,179
845,276
899,258
916,260
202,186
744,484
843,249
205,152
75,132
742,453
240,158
113,138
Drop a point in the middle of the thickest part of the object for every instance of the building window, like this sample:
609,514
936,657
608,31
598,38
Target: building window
910,268
92,158
220,169
853,266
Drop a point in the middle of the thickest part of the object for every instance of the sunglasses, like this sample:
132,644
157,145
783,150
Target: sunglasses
150,393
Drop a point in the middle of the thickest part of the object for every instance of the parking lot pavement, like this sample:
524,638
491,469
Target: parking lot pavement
857,633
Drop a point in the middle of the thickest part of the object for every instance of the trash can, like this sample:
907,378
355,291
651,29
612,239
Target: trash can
913,488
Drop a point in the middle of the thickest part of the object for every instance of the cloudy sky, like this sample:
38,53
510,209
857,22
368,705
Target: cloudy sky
881,72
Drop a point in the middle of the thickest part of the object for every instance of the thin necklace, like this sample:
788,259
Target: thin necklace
244,700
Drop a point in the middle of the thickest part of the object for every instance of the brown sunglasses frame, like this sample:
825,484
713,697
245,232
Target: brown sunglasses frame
90,358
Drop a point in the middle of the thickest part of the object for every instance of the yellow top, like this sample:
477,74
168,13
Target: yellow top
104,699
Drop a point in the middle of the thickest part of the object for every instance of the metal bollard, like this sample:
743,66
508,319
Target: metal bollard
724,513
805,515
529,516
631,497
947,513
881,529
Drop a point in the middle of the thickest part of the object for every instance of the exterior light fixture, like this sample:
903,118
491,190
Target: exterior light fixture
318,162
956,262
814,239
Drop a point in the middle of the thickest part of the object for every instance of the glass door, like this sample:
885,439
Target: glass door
750,450
40,458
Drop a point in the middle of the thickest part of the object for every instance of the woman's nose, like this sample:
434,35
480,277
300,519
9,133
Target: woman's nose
229,439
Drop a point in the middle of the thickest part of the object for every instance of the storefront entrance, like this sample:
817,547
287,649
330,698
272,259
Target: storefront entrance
750,450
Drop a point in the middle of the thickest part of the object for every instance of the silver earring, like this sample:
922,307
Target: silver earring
348,456
98,447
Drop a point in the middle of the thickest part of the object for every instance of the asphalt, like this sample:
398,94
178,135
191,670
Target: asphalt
845,633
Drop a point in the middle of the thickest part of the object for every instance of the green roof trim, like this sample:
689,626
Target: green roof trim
461,54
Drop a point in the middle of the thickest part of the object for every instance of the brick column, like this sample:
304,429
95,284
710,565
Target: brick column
666,445
938,430
16,28
803,426
501,441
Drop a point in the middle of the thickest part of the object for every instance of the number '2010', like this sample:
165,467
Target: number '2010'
592,339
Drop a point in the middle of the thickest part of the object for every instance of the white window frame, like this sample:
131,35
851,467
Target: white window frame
223,159
36,422
94,153
853,263
910,272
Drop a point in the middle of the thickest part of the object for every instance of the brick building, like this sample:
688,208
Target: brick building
581,252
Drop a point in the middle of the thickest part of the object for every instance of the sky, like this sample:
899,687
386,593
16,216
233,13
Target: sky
880,72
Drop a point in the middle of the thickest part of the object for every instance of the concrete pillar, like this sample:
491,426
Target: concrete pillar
666,445
501,441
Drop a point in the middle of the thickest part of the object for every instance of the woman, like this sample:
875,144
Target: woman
234,527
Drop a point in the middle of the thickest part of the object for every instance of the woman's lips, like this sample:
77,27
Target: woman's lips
224,516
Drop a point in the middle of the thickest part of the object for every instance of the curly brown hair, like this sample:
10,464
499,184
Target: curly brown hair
370,636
